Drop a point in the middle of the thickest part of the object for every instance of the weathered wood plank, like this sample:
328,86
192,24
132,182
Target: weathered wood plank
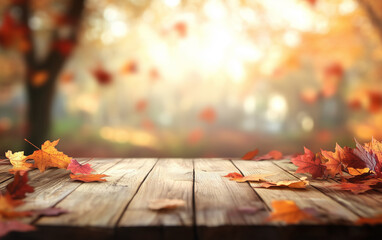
4,173
219,201
101,204
170,178
310,197
366,205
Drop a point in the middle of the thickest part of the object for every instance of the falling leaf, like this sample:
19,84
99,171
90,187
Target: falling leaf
130,67
18,161
353,187
14,226
160,204
301,184
250,155
287,211
252,178
233,175
102,76
89,177
39,78
49,156
75,167
309,163
195,136
141,105
19,186
208,115
369,221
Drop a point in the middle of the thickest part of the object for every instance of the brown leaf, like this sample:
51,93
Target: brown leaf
89,177
274,154
287,211
19,186
353,187
159,204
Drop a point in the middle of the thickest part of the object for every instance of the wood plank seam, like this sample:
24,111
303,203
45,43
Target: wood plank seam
194,223
54,205
127,205
318,189
258,195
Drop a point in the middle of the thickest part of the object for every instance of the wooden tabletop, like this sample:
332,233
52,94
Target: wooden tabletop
118,208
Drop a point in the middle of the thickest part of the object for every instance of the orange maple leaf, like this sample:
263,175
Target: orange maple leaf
334,164
300,184
287,211
18,161
89,177
19,186
233,175
49,156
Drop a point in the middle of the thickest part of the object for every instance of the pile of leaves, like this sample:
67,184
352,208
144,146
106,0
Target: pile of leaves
359,168
46,157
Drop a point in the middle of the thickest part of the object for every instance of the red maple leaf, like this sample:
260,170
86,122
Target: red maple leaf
75,167
309,163
19,186
274,154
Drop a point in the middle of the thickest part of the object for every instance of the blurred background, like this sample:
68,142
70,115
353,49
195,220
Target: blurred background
189,78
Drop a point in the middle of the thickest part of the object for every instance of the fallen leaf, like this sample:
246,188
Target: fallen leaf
14,226
287,211
89,177
334,164
75,167
368,157
301,184
353,187
250,155
19,187
18,161
49,156
309,163
252,178
369,221
39,78
160,204
52,211
357,171
208,115
8,205
233,175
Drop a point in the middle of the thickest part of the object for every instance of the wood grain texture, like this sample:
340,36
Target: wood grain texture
366,205
4,173
219,201
310,197
170,178
100,204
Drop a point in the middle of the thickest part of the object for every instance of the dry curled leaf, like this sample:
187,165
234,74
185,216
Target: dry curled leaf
166,203
49,156
89,177
288,212
300,184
